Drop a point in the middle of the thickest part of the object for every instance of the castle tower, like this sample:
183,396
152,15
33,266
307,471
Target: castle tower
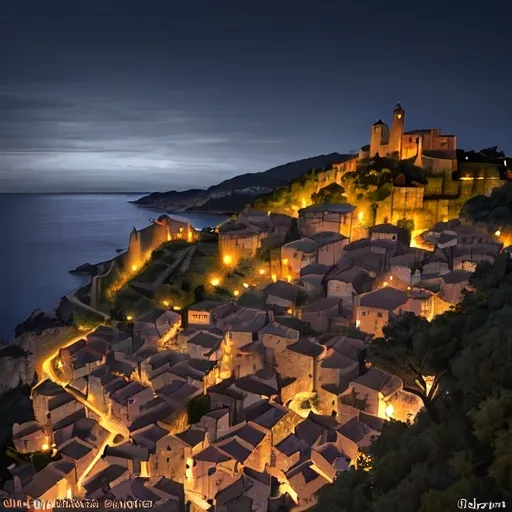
397,130
379,135
419,155
134,251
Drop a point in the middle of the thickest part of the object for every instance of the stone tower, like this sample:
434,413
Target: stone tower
134,250
419,154
397,130
379,136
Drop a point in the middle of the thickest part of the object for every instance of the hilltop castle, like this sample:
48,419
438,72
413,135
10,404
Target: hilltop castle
453,177
404,145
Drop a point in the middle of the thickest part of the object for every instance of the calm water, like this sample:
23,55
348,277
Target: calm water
44,236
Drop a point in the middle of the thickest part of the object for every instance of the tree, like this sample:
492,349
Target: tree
331,194
492,152
466,451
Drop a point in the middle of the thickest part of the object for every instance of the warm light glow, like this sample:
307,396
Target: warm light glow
289,311
227,259
45,447
285,261
303,201
262,271
134,267
360,216
165,303
60,364
215,281
445,219
176,308
268,213
169,237
358,323
144,470
498,233
289,278
408,288
69,493
236,293
274,278
245,285
181,230
385,283
389,411
189,236
391,278
129,317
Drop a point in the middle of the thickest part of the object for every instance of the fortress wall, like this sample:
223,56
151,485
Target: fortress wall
439,166
434,187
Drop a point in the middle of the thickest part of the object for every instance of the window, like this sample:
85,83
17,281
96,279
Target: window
167,460
379,315
333,402
168,448
363,313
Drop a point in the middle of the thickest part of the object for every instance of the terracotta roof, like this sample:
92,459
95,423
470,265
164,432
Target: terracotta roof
236,450
380,380
315,269
387,298
327,237
322,304
192,436
306,347
211,454
206,340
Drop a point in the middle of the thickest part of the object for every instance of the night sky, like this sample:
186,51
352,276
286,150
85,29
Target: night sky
134,95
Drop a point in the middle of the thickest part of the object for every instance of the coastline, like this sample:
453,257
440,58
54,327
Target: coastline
182,213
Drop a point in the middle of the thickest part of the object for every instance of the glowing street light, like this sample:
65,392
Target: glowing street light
498,232
45,447
262,271
245,285
236,293
289,278
134,267
165,303
389,411
227,259
215,281
129,318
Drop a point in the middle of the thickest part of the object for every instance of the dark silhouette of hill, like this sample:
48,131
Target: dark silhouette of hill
238,190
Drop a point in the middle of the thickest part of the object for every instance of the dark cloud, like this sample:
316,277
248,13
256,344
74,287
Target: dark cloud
130,95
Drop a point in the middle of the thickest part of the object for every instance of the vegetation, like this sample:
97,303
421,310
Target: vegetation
39,459
494,212
86,321
289,198
491,154
406,224
197,408
331,194
461,446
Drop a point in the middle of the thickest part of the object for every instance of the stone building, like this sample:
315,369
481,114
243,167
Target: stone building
337,218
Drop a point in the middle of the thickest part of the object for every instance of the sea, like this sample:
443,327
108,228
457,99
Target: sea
42,237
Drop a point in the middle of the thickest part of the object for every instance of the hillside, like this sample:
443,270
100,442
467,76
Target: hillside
238,190
494,212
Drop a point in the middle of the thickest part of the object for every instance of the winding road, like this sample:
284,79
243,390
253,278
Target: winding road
112,426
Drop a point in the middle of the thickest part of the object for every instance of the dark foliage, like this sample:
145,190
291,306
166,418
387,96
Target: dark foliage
461,446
